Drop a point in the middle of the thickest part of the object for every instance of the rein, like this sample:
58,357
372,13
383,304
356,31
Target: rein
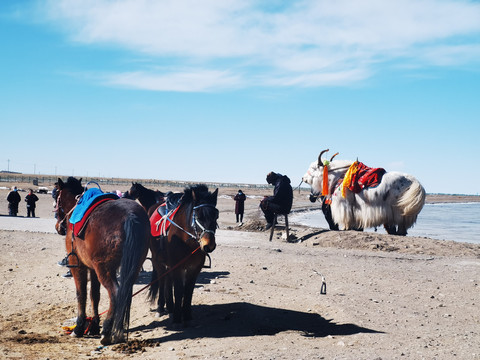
298,187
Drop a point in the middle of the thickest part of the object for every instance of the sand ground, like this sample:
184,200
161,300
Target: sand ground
387,297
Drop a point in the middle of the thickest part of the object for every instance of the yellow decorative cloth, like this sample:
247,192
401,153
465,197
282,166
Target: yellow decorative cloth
347,180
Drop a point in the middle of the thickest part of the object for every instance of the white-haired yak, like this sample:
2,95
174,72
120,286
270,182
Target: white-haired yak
362,197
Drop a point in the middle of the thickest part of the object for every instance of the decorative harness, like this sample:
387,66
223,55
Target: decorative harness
325,191
195,223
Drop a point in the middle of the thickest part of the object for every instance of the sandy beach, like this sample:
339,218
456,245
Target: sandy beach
387,297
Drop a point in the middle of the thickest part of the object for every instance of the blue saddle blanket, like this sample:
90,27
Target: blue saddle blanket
89,197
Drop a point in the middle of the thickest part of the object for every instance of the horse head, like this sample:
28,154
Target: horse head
135,190
66,201
204,216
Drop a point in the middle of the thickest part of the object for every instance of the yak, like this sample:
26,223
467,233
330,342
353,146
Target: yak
391,199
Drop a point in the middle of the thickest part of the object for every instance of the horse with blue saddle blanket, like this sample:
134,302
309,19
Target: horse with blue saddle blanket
107,235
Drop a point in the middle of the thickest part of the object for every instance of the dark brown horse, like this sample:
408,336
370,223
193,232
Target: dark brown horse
149,199
116,237
182,252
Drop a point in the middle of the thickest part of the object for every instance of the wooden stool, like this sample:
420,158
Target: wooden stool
275,221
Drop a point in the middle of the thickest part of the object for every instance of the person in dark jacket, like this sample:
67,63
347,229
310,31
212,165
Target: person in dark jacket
31,199
13,199
282,199
239,206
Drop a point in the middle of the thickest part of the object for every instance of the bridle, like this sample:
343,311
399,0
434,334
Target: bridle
195,223
61,210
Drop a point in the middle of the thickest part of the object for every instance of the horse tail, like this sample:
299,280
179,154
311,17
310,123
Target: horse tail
133,255
154,287
412,200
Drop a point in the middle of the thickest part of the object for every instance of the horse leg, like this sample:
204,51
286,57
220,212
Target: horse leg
190,279
178,291
109,281
94,328
168,293
80,276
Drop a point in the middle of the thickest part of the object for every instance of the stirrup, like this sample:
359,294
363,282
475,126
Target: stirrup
68,261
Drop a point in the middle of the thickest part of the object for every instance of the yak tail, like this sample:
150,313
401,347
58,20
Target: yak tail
412,200
134,253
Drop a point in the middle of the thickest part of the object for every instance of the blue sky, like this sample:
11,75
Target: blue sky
229,90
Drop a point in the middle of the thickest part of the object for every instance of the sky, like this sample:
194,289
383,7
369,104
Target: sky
227,90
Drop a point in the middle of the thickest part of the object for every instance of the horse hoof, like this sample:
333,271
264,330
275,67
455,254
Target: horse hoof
105,340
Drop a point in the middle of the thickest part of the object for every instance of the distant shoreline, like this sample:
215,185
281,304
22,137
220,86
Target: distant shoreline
25,181
443,198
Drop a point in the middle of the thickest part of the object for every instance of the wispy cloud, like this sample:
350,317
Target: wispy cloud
301,43
182,81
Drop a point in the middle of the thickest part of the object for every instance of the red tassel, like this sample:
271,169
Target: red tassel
325,181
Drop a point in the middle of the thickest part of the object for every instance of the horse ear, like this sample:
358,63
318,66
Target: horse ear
60,183
80,180
215,195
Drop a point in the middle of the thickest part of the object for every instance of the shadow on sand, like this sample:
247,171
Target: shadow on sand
145,277
242,319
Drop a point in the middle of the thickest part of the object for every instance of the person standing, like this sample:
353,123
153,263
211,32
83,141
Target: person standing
239,206
31,199
13,199
282,199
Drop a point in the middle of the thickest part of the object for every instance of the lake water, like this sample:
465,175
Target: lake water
445,221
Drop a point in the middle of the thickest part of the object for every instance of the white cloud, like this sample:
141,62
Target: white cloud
304,43
187,81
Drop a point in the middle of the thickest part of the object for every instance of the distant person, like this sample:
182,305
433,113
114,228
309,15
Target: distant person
31,199
282,199
239,206
13,199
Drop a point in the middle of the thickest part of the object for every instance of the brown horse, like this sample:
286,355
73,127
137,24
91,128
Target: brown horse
117,236
182,252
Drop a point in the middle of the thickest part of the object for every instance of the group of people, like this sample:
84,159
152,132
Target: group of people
14,199
279,203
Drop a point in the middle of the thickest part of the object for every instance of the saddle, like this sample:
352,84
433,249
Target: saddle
158,220
85,205
360,176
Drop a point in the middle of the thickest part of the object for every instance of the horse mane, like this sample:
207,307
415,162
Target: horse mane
201,193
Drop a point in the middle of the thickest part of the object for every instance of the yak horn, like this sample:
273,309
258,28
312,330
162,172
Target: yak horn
333,156
320,162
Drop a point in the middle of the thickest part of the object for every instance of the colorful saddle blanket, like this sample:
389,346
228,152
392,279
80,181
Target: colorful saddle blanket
87,203
159,223
360,176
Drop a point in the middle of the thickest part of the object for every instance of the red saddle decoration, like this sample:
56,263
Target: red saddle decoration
158,223
366,177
